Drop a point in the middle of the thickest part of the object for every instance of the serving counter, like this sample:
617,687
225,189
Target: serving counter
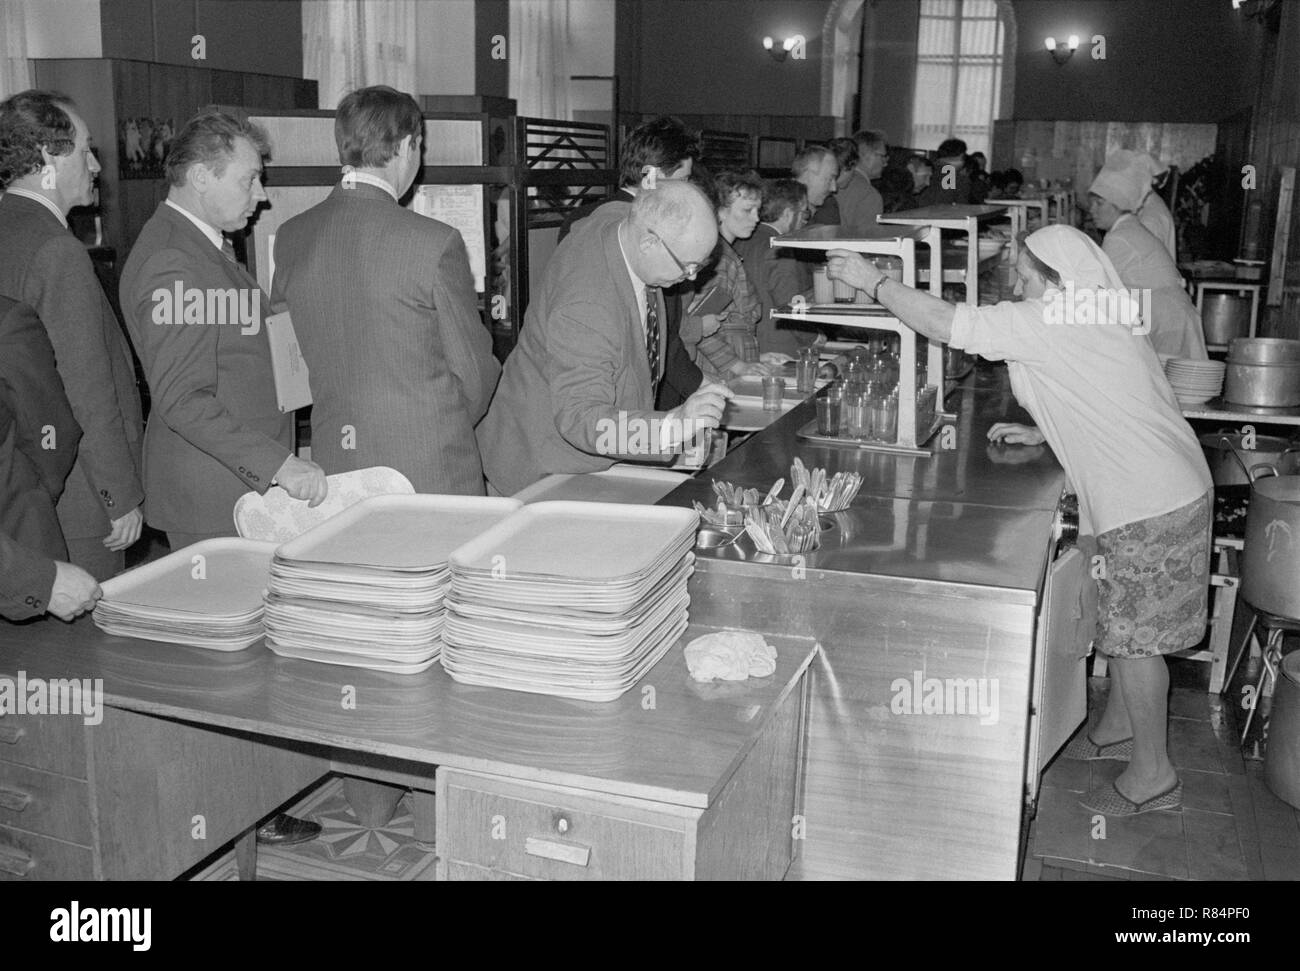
944,619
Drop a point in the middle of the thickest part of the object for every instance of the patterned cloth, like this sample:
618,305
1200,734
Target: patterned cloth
722,349
1152,595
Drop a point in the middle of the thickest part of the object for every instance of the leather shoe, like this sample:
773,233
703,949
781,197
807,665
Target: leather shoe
286,830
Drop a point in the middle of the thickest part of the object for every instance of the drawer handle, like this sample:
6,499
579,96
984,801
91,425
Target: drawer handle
562,852
14,799
15,861
10,734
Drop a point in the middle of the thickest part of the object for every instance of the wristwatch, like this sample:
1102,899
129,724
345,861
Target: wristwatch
875,291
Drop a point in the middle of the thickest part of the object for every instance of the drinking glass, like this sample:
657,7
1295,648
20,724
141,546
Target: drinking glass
805,371
857,414
773,392
828,415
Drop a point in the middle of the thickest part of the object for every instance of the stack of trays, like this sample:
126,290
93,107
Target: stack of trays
365,588
205,595
1194,382
575,599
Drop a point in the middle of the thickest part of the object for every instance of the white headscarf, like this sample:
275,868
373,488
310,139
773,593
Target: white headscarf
1075,258
1084,270
1124,180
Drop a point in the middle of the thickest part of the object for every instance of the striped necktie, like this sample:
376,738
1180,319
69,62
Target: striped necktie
652,333
228,249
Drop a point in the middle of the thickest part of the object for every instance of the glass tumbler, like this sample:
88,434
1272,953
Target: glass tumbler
805,371
773,392
749,348
828,415
857,414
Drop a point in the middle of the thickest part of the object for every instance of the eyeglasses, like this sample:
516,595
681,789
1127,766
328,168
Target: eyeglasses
690,269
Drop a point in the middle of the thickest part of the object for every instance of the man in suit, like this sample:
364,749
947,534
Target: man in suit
859,201
578,392
47,167
659,149
38,446
951,182
216,431
195,317
778,275
383,304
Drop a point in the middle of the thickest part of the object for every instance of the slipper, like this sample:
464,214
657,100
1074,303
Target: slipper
1109,801
1085,749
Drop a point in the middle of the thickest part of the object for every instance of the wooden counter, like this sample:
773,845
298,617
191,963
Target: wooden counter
231,736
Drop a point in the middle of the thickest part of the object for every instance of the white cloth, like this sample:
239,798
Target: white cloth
1143,263
1122,186
213,234
1097,393
730,655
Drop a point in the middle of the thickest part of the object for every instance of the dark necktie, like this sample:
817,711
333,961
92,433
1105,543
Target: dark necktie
228,249
652,332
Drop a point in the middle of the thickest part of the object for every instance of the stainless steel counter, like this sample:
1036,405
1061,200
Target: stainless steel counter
936,574
977,514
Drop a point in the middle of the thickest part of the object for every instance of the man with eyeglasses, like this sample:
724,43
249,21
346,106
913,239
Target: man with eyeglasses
859,201
577,394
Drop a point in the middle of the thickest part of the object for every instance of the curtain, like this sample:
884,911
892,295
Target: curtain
350,44
15,71
539,41
960,58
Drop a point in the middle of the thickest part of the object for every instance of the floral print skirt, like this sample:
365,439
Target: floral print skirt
1153,582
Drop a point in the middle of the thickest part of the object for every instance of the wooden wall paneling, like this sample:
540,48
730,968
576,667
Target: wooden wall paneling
126,29
174,26
177,93
267,92
260,36
227,87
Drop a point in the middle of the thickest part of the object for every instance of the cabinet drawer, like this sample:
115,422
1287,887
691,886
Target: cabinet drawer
535,832
41,802
25,856
55,743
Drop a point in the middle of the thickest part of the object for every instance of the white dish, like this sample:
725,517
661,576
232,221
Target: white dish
374,664
577,541
398,532
227,581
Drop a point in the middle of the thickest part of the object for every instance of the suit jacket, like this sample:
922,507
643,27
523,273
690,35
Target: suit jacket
215,431
682,376
776,276
38,446
859,203
579,370
45,266
384,307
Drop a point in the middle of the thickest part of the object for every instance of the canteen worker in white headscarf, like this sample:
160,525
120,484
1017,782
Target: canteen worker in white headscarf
1143,263
1101,401
1153,213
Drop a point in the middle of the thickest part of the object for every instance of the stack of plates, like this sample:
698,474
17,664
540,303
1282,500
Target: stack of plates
206,595
365,588
576,599
1194,382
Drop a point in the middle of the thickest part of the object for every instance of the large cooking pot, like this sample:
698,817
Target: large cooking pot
1225,317
1270,577
1263,372
1230,463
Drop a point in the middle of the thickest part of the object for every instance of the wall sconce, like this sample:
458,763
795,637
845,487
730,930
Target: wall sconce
1061,55
781,52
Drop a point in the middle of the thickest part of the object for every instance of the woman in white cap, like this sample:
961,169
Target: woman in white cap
1142,261
1153,213
1097,393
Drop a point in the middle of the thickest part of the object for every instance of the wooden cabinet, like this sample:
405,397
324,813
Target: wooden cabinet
135,797
493,828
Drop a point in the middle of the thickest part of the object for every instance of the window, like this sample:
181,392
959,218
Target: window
959,65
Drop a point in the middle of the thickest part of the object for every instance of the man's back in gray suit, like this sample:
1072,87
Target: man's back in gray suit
384,308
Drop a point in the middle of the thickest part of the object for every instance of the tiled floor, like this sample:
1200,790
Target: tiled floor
1231,827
